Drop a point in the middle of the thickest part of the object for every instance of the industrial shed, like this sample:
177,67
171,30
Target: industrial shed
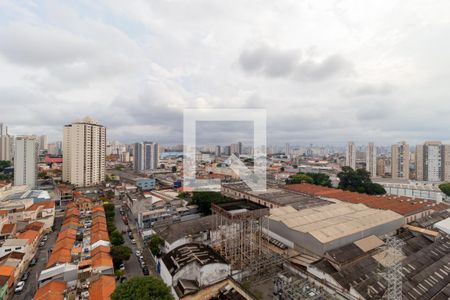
321,229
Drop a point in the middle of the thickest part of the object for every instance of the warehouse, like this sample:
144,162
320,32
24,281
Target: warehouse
321,229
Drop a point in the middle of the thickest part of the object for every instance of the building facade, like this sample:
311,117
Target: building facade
5,143
400,157
371,159
146,156
350,155
84,152
433,162
25,161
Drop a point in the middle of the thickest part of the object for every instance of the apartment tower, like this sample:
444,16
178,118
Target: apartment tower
350,155
371,159
84,153
146,156
400,160
433,162
25,161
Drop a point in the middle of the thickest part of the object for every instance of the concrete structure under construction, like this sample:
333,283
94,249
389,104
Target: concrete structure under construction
321,229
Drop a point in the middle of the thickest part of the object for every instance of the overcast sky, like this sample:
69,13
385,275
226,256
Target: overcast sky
326,71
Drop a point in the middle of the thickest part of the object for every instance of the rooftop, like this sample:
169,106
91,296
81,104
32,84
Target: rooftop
186,254
53,290
174,232
402,205
102,288
331,222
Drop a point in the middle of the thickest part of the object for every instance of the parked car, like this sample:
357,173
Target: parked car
45,238
133,241
25,276
19,287
145,271
138,253
122,267
33,261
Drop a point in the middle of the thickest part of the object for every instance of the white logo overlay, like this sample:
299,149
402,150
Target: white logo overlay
255,178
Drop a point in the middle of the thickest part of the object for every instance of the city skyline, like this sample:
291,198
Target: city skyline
354,75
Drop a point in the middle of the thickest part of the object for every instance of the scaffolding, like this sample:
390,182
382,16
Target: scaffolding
391,260
288,287
239,236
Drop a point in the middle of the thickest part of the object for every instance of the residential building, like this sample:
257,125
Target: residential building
400,157
287,149
84,152
432,162
5,145
371,159
218,151
146,184
25,161
146,156
236,149
381,166
350,155
43,143
227,150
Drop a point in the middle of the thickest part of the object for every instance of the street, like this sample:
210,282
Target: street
42,255
132,266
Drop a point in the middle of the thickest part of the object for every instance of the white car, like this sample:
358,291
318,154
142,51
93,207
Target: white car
133,241
19,287
138,253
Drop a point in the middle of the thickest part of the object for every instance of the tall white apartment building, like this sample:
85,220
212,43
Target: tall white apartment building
371,159
287,149
146,156
5,143
25,161
84,153
433,162
350,155
400,157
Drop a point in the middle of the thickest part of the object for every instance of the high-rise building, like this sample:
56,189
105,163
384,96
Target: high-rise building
146,156
433,162
400,157
43,143
350,155
381,166
227,150
25,161
84,153
287,149
218,151
371,159
5,143
236,148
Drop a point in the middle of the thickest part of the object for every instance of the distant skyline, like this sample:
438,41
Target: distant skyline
327,72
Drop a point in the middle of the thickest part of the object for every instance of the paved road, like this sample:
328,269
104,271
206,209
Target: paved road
132,266
35,271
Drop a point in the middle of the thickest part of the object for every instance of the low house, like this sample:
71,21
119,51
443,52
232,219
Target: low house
16,245
64,272
8,231
102,288
54,290
8,271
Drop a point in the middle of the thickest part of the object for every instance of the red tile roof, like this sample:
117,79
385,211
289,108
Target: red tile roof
44,204
8,229
59,257
53,290
403,205
29,235
48,159
102,288
36,226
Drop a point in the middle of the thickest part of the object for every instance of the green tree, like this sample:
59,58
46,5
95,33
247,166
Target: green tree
155,244
116,238
205,199
358,181
183,195
4,164
110,211
143,288
299,178
320,179
120,254
445,188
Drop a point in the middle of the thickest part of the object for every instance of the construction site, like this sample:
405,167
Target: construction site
257,260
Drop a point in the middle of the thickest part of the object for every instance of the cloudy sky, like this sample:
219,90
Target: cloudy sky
326,71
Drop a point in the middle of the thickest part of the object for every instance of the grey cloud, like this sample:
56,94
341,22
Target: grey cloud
368,89
275,63
37,46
